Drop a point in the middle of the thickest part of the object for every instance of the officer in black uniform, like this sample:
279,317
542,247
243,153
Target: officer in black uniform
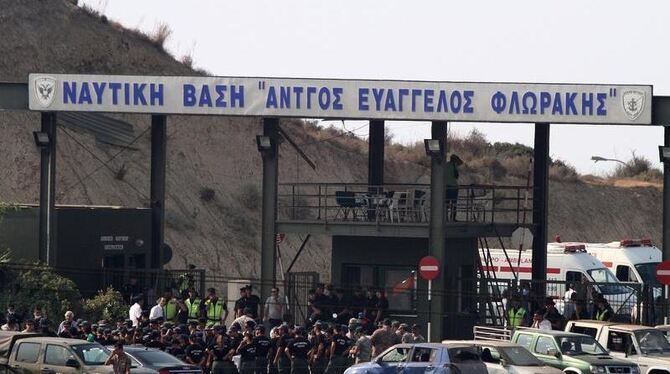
319,345
298,350
247,352
339,348
281,360
263,346
195,354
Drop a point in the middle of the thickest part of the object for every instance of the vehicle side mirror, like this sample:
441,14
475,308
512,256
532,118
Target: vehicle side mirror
503,362
72,363
554,352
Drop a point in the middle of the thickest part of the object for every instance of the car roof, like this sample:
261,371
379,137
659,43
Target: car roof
547,332
55,340
138,348
663,327
449,344
490,343
620,326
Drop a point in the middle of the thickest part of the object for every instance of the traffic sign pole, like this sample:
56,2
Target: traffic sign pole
663,277
430,289
429,269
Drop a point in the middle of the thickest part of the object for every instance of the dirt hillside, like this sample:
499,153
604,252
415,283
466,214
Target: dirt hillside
219,154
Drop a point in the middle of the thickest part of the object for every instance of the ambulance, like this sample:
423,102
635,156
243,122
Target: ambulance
566,263
631,260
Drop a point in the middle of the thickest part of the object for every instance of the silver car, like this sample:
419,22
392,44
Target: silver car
503,357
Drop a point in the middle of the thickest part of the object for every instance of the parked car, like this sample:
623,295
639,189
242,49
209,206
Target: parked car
502,357
570,352
643,345
665,329
429,358
32,354
155,361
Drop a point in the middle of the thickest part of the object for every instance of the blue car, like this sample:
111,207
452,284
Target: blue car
424,358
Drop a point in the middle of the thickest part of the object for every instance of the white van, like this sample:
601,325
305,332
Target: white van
566,263
631,260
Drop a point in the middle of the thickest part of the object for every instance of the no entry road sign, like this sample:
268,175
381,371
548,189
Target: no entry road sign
663,273
429,268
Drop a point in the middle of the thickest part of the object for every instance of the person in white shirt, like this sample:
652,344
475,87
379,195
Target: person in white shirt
539,322
274,308
68,324
157,310
242,320
135,312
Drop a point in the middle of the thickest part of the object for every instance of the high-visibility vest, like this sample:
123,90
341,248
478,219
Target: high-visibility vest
170,310
193,308
515,318
600,315
214,311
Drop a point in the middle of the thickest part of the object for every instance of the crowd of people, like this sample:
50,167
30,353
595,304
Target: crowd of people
579,303
339,331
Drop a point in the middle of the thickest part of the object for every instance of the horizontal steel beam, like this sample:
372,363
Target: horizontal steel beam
394,230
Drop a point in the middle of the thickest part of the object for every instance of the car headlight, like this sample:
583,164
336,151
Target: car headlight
597,369
635,370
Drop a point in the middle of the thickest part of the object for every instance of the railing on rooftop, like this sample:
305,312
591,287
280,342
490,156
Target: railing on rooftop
400,203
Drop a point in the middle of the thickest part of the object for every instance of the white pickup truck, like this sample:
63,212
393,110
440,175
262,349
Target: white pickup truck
643,345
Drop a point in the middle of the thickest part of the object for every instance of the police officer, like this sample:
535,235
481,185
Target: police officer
298,350
516,315
170,310
221,354
216,310
193,304
318,353
263,346
339,349
247,352
281,360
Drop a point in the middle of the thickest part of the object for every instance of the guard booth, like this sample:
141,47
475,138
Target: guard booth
379,231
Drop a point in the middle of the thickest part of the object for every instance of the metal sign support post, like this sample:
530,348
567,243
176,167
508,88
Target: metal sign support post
430,289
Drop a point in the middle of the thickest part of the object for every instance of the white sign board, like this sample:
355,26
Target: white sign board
344,99
522,238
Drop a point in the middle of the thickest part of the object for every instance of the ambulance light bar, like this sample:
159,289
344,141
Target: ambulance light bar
635,243
574,248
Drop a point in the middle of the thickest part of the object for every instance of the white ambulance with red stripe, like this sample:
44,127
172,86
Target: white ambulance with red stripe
566,263
631,260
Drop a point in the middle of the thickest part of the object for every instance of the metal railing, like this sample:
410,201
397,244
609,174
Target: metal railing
630,302
401,203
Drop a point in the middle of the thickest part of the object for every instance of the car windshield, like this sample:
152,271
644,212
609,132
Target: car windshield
612,286
652,341
91,354
157,358
579,345
648,273
519,356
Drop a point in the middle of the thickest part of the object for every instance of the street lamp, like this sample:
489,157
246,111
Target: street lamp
434,147
42,139
264,143
599,158
664,153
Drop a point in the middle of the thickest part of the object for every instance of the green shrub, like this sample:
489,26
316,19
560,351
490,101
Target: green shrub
106,305
30,285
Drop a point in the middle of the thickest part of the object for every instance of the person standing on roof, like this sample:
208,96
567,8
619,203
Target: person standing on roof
451,179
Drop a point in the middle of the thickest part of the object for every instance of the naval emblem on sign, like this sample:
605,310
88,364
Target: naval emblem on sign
633,103
45,90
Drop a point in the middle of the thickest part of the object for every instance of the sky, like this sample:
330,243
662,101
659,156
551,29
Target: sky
567,41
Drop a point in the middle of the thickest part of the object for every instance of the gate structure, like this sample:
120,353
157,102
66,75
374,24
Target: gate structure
370,237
